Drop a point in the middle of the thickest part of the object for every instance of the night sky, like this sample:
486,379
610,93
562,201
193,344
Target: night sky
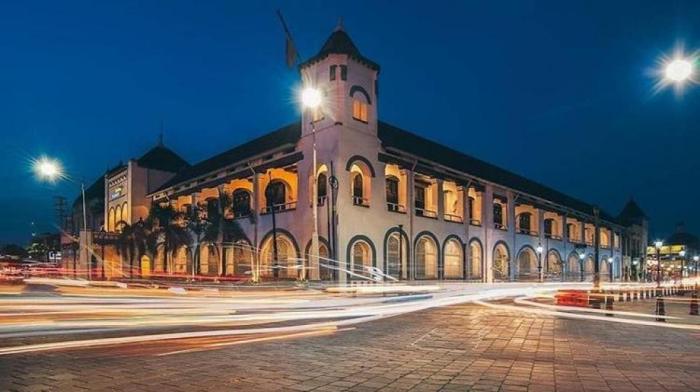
560,91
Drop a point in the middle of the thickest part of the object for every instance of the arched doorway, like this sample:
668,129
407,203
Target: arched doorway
239,259
501,263
361,258
182,261
589,268
573,267
527,264
426,258
454,259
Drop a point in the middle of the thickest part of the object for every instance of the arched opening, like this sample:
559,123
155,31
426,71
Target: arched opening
361,257
553,266
501,262
145,266
286,265
276,195
527,264
453,259
589,268
326,267
239,259
110,220
117,218
125,214
182,263
426,258
322,183
241,204
392,193
396,255
208,260
498,216
525,223
360,180
475,268
573,267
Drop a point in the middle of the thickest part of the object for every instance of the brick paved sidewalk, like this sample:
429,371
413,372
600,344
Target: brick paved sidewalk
458,348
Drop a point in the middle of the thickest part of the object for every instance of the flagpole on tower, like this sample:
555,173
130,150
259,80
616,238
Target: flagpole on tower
291,53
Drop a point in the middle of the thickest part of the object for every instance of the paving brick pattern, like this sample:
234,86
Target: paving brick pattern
459,348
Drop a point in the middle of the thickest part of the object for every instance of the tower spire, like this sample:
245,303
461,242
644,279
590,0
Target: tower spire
340,26
160,134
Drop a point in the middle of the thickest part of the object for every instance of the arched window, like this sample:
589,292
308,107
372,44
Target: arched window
360,182
527,265
453,259
392,193
241,202
125,213
475,261
571,232
212,207
110,220
498,215
118,218
426,258
322,187
239,259
396,256
524,222
181,262
276,195
361,257
325,266
588,268
501,259
550,228
357,186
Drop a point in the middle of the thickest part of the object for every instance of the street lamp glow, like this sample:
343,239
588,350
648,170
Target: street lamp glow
48,169
610,260
539,249
582,256
311,98
681,253
658,244
678,70
696,258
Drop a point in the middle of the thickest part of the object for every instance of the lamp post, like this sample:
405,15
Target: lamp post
539,249
696,259
50,170
682,254
311,99
658,245
581,257
610,268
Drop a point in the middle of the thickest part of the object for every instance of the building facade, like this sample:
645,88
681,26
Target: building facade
391,204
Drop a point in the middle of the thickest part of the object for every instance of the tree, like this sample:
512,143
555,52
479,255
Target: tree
165,227
14,250
38,251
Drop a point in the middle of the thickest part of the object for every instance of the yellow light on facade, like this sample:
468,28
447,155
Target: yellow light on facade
311,98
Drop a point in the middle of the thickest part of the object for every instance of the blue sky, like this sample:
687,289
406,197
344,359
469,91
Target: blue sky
561,92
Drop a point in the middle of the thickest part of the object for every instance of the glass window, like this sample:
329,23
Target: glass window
392,190
357,190
343,72
332,71
275,193
322,185
359,110
241,203
498,214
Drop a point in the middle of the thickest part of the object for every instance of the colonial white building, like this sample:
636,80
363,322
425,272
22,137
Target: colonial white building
387,198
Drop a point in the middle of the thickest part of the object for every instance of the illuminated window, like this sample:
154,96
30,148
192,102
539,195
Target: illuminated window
343,72
359,110
332,71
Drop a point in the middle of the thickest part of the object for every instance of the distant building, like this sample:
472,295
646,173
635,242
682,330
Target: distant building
676,254
387,199
635,239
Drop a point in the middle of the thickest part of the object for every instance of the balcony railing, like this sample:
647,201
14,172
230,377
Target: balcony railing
279,208
426,213
553,236
527,232
500,226
395,207
360,201
453,218
475,222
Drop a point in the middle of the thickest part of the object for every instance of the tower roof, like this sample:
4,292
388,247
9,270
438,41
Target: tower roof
339,42
162,158
631,213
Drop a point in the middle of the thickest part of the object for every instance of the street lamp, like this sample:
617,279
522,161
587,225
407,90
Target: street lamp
539,249
682,255
679,70
610,267
658,244
311,99
51,170
581,257
696,259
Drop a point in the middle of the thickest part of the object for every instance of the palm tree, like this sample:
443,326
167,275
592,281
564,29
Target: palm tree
165,227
